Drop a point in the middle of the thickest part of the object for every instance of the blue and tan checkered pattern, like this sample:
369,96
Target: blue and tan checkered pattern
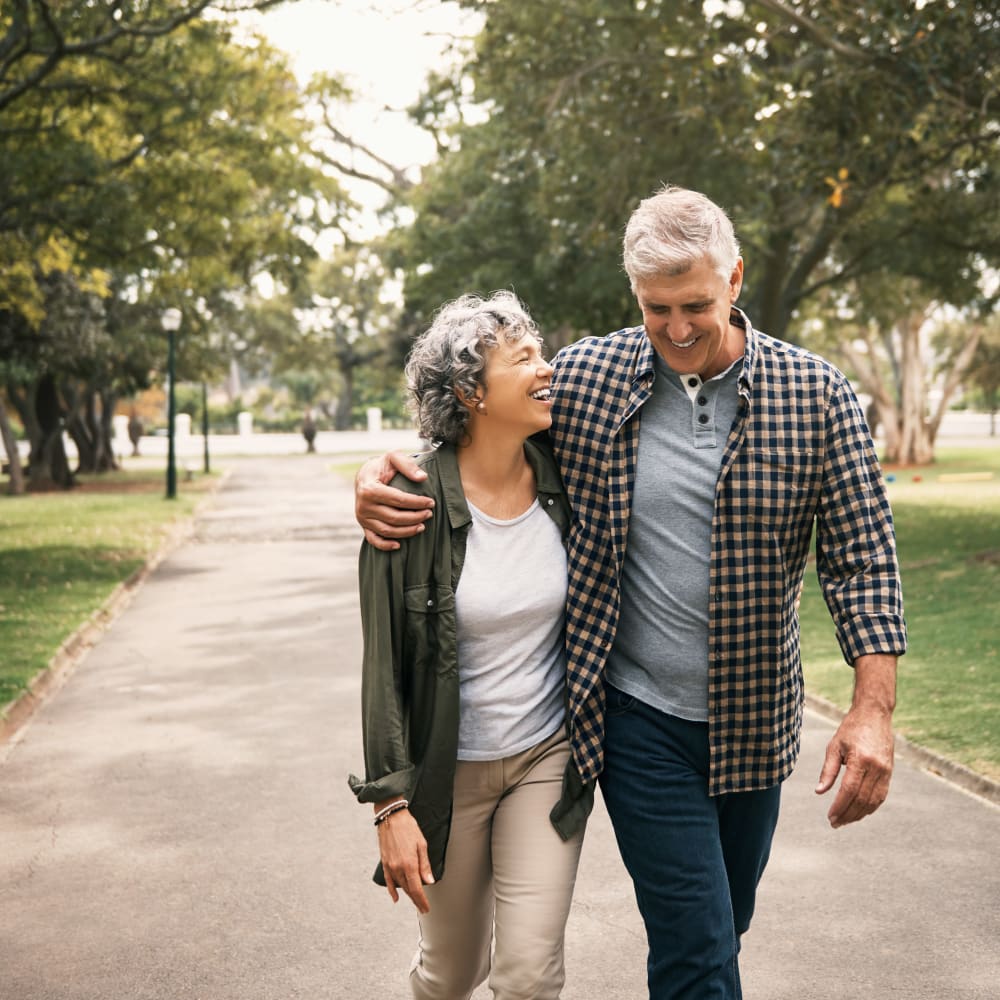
798,453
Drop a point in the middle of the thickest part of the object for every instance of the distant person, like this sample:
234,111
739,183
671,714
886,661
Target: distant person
479,810
309,431
698,453
135,432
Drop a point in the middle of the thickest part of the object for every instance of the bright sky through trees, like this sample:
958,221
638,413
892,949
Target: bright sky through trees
383,49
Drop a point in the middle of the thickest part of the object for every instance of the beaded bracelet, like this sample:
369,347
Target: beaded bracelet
383,814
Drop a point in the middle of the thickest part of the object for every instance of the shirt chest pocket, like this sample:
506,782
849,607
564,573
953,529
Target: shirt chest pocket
430,629
779,485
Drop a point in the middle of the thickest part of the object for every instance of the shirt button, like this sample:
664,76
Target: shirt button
702,400
692,382
430,604
550,501
702,418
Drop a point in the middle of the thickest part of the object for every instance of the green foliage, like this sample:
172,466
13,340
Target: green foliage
948,534
154,156
588,105
305,387
342,325
984,372
381,386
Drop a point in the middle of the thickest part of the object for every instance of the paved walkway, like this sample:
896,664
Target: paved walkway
176,823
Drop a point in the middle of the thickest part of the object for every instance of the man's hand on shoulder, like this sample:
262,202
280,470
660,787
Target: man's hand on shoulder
386,513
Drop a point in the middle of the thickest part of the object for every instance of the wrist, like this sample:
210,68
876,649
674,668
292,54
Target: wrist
392,807
875,684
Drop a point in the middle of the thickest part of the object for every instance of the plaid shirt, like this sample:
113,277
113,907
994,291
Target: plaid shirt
799,451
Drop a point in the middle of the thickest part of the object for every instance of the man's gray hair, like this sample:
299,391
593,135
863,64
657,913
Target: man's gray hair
452,355
674,229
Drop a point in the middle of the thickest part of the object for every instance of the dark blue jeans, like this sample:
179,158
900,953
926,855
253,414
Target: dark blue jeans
695,860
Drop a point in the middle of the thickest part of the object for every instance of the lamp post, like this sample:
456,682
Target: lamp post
171,321
204,422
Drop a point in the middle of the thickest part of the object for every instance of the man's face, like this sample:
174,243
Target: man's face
687,319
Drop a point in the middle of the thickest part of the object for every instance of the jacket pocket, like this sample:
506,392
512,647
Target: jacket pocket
430,629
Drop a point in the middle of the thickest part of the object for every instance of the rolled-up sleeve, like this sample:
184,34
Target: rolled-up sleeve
855,539
388,768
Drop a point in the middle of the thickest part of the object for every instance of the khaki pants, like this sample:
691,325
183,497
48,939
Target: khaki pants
509,876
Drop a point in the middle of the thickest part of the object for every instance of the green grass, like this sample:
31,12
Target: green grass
347,469
63,554
948,536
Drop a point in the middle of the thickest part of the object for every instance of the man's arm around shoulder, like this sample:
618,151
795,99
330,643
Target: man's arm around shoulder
385,513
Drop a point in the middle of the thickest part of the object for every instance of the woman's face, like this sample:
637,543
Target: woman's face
518,386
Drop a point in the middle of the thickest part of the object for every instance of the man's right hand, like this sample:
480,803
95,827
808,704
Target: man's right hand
385,513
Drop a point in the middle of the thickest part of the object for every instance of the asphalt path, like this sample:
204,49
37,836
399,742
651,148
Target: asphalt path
175,822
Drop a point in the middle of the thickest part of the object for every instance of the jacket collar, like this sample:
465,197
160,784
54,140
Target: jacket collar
451,486
546,480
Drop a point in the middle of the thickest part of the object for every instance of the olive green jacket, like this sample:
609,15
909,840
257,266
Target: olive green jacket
409,688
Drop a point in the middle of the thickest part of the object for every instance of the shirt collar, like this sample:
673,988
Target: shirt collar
739,318
645,361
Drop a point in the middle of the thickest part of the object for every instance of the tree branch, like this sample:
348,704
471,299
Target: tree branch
799,20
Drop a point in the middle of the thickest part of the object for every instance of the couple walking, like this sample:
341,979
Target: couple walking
593,579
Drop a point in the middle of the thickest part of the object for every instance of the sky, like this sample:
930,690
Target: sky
383,48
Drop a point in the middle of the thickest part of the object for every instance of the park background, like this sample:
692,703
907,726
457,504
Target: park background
301,225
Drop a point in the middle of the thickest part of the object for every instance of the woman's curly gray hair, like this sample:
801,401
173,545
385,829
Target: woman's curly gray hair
452,356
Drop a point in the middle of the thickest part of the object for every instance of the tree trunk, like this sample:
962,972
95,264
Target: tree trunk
16,485
22,398
894,372
916,446
956,373
86,455
49,464
345,403
106,430
871,377
101,456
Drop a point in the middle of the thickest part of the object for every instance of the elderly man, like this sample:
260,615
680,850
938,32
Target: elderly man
698,453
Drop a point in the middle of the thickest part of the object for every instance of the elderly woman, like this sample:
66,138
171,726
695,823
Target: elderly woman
478,808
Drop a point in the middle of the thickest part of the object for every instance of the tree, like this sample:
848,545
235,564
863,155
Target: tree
44,43
881,326
15,485
348,323
890,352
984,369
765,106
76,116
70,338
220,190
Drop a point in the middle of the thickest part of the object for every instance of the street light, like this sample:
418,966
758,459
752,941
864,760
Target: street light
204,423
171,321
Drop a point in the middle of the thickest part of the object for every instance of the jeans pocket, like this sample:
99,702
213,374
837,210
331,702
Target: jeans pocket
618,702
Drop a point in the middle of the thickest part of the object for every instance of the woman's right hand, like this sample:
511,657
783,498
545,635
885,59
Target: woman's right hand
385,513
404,858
